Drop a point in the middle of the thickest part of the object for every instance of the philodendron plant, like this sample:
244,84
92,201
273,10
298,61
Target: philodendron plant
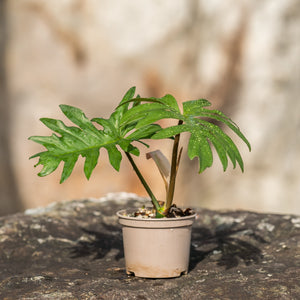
135,120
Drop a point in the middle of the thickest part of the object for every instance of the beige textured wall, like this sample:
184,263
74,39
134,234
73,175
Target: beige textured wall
241,55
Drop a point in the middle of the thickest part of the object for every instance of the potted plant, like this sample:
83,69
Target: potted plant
131,123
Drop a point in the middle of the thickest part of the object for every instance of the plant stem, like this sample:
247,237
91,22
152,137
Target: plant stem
173,174
144,183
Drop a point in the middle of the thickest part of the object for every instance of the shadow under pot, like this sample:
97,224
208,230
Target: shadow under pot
156,248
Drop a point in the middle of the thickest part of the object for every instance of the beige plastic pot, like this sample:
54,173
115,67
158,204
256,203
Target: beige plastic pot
156,248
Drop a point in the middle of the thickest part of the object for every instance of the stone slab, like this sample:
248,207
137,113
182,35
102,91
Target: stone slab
73,250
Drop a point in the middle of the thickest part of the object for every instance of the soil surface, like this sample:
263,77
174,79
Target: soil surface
73,250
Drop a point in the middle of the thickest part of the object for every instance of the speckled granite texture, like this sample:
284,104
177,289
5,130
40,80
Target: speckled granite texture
73,250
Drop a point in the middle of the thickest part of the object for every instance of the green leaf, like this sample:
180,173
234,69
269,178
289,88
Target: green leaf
91,160
134,120
217,139
127,97
155,116
108,126
50,163
153,110
70,162
138,112
122,108
127,147
70,142
167,101
170,101
219,116
202,132
77,116
199,147
144,132
170,131
115,156
194,107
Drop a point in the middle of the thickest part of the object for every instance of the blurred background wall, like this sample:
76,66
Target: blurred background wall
241,55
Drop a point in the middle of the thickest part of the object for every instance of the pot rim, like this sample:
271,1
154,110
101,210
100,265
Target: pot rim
121,216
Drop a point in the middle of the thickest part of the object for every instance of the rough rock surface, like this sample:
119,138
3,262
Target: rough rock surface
73,250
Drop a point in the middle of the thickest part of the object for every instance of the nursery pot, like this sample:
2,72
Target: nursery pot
156,248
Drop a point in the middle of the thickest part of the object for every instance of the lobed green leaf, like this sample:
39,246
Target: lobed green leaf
199,147
69,142
171,131
91,160
137,113
144,132
194,107
219,116
134,120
